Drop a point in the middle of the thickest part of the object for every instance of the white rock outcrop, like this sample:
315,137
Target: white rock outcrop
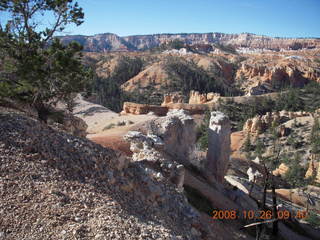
166,146
218,145
177,130
145,147
253,175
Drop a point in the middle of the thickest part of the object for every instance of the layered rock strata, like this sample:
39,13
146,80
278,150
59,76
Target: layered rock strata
137,109
111,42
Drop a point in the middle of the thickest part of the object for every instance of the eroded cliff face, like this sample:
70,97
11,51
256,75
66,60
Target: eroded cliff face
258,76
112,42
100,42
260,124
244,74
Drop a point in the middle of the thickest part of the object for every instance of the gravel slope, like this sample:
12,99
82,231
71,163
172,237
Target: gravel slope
57,186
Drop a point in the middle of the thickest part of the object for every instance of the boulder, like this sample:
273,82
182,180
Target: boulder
74,125
218,145
177,130
281,170
253,175
166,142
313,170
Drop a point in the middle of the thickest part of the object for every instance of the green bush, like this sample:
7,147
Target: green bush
37,68
202,132
295,176
111,125
315,137
313,219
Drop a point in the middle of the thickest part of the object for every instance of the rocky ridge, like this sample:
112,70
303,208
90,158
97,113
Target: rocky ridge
112,42
57,186
251,74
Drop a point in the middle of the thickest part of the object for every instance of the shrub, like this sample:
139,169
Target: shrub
313,219
111,125
296,173
202,132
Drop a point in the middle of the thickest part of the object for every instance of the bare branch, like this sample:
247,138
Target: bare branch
54,29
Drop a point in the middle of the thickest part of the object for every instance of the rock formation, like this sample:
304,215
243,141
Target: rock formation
151,148
259,124
168,143
270,73
74,125
86,187
281,170
313,169
197,98
253,175
136,108
190,108
112,42
176,131
172,98
198,103
218,145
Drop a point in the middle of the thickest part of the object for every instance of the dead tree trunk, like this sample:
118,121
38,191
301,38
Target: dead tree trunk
275,228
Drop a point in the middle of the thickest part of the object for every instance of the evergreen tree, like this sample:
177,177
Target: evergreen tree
36,67
295,174
315,137
247,147
259,149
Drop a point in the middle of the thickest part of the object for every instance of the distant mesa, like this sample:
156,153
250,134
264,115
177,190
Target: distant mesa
112,42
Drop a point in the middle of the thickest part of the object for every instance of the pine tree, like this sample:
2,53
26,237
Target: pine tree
37,67
315,137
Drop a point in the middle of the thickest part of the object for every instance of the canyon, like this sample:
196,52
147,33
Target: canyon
164,137
113,42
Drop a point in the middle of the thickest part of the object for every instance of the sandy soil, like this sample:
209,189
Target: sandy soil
113,137
106,127
94,115
237,139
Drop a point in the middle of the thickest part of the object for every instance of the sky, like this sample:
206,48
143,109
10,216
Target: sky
276,18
